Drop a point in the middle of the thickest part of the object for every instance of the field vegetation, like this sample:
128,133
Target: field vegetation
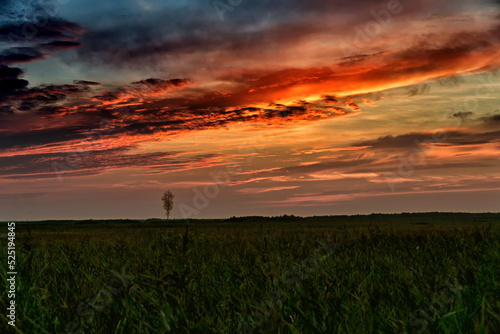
414,273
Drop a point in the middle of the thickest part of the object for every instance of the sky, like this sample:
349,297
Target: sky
240,108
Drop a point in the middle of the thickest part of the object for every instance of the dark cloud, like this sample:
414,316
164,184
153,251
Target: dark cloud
16,94
157,85
462,115
451,81
111,95
40,137
140,114
162,83
195,32
423,59
28,36
352,60
195,27
191,31
58,46
20,55
330,99
9,81
8,85
7,110
29,32
489,119
87,83
51,29
418,89
413,140
7,72
492,119
152,120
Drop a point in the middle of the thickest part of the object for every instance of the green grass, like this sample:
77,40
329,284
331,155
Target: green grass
434,273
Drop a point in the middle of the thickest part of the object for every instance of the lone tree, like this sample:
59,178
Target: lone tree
168,202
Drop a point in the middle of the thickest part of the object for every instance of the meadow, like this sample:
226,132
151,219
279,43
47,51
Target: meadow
401,273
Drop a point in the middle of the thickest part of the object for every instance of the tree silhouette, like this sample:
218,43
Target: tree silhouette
168,202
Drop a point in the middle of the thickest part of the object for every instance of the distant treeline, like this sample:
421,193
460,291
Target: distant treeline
432,216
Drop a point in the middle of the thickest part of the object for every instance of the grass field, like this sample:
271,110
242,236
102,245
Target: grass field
419,273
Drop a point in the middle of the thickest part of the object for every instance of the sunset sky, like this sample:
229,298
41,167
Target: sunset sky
313,107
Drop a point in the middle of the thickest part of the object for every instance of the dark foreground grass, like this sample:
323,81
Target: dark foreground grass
431,274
